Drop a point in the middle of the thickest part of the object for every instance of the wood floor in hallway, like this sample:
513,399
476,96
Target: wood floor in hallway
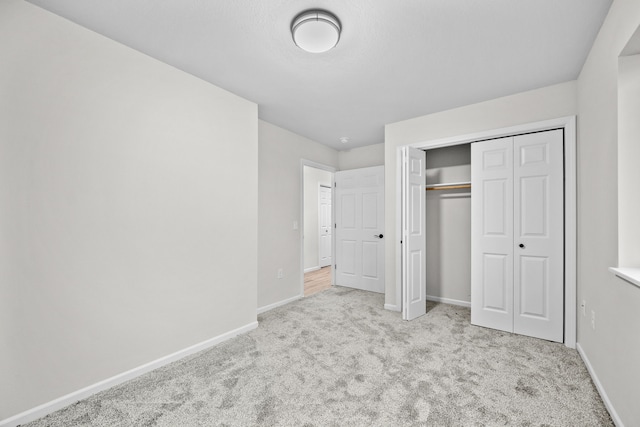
317,281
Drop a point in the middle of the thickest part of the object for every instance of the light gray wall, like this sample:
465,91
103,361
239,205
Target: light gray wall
313,178
128,192
537,105
362,157
449,224
280,195
628,155
613,348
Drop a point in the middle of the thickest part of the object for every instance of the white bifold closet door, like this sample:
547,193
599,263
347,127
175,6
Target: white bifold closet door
414,242
517,242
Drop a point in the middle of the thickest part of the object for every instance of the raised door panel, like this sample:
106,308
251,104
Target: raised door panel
370,211
347,213
370,260
494,208
534,285
325,250
533,206
495,283
348,257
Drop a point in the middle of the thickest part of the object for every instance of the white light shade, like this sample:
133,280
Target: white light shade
315,31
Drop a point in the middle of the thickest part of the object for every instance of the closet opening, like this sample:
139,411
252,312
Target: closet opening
434,267
448,224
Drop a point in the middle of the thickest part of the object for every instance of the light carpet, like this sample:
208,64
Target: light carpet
338,358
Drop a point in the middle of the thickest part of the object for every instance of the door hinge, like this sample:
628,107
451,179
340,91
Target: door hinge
335,225
400,241
335,266
335,184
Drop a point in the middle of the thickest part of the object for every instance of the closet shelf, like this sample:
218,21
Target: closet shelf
449,186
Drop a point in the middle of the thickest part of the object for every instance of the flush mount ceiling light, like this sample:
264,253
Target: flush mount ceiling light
316,31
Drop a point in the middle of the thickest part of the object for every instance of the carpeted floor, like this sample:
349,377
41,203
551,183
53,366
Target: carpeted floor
337,358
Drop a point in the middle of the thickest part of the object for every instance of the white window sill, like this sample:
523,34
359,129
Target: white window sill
631,275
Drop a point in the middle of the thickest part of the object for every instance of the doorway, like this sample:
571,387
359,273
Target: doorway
317,228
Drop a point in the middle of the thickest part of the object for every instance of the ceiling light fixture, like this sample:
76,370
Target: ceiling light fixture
344,139
316,31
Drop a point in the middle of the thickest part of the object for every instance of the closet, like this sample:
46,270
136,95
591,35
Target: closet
498,244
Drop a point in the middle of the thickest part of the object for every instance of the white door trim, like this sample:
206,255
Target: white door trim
568,124
311,163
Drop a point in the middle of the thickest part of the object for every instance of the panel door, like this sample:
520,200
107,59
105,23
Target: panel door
414,250
492,234
359,228
325,224
539,235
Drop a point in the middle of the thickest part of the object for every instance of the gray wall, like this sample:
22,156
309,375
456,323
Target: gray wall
121,238
613,347
362,157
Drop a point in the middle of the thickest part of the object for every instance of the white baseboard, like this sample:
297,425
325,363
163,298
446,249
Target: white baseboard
278,304
449,301
392,307
310,269
61,402
603,394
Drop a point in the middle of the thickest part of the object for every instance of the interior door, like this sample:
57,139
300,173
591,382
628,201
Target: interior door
359,228
539,235
325,228
414,258
492,234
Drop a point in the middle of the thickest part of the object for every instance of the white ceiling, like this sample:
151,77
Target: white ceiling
397,59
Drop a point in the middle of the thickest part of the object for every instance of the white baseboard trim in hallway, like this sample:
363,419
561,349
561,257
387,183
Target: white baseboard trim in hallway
61,402
449,301
603,394
278,304
310,269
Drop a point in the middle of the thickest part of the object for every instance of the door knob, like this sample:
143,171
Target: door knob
521,245
379,236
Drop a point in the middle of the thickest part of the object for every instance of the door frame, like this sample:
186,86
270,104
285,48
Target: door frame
568,125
311,163
320,187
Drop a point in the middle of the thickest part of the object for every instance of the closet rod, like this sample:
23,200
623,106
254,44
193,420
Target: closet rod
452,186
